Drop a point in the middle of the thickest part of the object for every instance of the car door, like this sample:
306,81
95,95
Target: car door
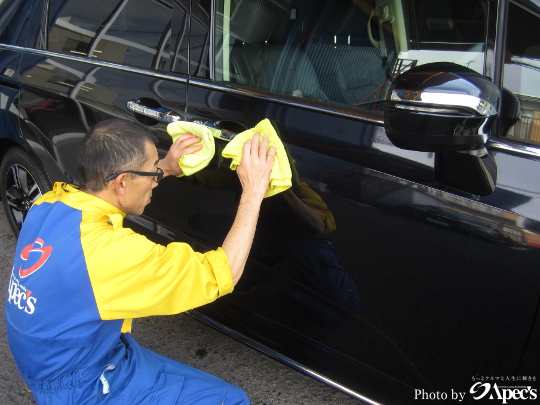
112,60
518,148
417,285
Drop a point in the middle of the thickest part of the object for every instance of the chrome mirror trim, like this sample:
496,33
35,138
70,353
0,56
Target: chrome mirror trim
445,100
429,110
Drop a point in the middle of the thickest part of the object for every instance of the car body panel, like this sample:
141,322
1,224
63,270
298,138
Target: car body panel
419,286
391,235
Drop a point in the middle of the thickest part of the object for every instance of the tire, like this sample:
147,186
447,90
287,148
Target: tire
22,182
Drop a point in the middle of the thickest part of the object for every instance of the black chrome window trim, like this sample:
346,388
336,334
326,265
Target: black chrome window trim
493,143
148,72
277,99
514,147
498,144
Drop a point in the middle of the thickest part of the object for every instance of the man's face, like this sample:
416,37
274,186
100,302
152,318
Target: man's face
139,188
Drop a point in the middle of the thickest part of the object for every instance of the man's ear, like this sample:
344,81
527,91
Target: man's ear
120,183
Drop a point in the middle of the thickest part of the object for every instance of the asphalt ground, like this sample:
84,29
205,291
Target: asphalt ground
185,339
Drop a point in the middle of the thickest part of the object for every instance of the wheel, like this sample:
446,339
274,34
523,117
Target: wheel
22,182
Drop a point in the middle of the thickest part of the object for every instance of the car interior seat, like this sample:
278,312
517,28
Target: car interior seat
262,57
347,64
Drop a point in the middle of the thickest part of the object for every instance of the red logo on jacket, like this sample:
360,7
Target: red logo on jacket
25,253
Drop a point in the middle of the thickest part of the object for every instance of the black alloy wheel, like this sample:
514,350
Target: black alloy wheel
22,182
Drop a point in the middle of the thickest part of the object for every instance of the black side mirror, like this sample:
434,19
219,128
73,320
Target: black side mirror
440,107
474,171
449,109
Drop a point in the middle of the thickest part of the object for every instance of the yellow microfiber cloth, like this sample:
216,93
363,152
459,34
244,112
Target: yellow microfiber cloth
280,177
194,162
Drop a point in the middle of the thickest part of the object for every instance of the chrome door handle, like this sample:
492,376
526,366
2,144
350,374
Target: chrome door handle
160,114
224,134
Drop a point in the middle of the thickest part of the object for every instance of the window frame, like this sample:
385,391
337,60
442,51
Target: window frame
499,141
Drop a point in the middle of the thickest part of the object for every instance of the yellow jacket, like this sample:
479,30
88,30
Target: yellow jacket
131,276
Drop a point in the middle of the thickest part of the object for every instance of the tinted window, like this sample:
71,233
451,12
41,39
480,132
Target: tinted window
522,71
15,18
447,25
181,35
131,32
343,52
200,38
8,10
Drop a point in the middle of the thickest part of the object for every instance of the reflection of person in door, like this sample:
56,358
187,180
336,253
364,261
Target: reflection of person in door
292,225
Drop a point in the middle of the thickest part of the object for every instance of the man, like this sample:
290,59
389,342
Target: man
79,277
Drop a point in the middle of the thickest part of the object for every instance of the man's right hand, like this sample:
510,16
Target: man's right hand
256,166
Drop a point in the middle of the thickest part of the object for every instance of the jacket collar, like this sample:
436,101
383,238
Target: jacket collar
94,207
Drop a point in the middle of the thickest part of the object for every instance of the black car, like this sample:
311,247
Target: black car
413,124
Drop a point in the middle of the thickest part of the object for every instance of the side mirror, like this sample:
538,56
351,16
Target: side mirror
440,107
474,172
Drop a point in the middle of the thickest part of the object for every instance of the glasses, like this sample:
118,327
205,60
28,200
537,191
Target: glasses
158,175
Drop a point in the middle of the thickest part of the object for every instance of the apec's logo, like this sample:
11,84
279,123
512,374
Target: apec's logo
37,247
484,391
481,390
34,257
20,296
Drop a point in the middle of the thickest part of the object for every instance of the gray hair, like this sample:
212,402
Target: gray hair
112,146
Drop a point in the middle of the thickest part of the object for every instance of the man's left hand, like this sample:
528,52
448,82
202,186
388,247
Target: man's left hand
184,145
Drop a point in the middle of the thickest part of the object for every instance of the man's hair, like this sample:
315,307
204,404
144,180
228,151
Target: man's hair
112,146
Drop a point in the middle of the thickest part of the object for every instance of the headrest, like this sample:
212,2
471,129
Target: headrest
256,21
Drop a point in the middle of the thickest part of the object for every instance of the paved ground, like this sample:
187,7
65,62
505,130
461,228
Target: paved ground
187,340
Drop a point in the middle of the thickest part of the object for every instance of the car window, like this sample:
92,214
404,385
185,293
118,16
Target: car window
522,70
8,10
130,32
446,31
344,52
200,38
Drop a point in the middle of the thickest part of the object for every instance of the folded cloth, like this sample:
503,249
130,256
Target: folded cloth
280,177
194,162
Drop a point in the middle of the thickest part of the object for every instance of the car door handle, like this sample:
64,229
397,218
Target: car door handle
160,114
224,134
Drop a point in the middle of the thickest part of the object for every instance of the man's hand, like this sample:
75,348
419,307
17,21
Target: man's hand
184,145
254,170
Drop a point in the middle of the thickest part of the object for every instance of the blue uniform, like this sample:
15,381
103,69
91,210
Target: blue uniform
78,280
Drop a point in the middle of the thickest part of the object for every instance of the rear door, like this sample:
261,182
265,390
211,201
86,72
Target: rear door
110,60
414,286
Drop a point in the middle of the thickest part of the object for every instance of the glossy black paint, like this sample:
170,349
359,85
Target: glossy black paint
424,284
474,172
390,236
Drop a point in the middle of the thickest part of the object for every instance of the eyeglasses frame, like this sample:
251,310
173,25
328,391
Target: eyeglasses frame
157,174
